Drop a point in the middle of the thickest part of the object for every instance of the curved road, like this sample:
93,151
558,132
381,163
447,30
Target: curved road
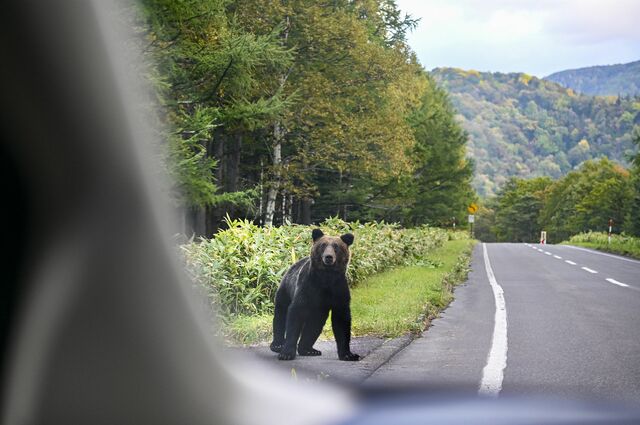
572,327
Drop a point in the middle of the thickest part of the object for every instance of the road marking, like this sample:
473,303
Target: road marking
540,250
587,269
558,257
493,372
615,282
570,262
547,252
602,253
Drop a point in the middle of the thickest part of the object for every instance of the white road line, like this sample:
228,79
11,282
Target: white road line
615,282
570,262
587,269
540,250
602,253
493,372
558,257
547,252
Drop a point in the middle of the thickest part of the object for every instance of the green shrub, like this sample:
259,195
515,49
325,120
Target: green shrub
241,267
620,244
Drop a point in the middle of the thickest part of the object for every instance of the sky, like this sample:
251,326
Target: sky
538,37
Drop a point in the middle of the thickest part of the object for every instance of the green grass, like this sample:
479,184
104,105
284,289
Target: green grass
388,304
402,300
620,244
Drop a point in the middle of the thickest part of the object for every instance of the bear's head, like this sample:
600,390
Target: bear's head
330,253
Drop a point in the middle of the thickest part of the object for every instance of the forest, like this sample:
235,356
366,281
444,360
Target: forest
587,199
295,111
522,126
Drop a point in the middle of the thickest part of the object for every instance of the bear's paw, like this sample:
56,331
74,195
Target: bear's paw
350,357
309,352
276,348
286,356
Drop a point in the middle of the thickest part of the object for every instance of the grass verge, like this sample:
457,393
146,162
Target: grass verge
620,244
406,299
388,304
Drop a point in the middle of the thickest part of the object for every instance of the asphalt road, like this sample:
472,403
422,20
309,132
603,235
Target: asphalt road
572,328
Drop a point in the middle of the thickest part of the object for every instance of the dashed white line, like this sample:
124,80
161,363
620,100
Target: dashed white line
540,250
493,372
570,262
615,282
558,257
587,269
547,252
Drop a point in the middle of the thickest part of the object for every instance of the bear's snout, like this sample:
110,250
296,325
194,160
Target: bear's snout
328,259
329,256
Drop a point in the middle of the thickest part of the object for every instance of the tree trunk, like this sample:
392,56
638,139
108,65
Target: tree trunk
290,209
306,211
283,207
275,185
199,224
232,164
261,193
214,214
278,134
212,220
218,154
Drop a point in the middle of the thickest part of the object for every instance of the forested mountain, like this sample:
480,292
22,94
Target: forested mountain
296,111
612,80
523,126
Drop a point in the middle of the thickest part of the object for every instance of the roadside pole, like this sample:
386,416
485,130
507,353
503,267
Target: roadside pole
610,228
472,210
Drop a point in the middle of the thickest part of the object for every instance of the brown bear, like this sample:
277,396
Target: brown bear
310,289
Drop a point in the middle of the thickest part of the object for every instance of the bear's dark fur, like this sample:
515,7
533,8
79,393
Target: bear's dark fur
310,289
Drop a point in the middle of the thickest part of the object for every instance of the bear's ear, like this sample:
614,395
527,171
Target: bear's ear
316,234
347,238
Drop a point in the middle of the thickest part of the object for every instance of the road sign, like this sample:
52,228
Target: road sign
471,218
472,209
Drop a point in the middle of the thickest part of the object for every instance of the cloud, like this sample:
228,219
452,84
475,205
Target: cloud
537,37
591,21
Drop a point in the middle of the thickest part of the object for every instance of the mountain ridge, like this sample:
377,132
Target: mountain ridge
601,80
524,126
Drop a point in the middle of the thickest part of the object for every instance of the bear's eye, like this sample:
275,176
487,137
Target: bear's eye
335,246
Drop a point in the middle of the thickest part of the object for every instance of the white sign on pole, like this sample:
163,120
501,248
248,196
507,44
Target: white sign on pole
471,218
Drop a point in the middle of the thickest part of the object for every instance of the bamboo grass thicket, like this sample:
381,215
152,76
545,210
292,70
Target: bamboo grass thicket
620,244
240,268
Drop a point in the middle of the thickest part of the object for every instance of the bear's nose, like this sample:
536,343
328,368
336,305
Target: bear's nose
328,259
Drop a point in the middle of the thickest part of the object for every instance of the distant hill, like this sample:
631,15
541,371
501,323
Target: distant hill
524,126
621,79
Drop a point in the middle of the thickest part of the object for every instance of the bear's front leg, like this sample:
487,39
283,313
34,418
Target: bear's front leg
282,303
341,324
312,330
295,321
